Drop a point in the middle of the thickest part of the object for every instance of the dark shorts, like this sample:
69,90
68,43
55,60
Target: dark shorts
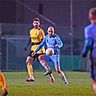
34,57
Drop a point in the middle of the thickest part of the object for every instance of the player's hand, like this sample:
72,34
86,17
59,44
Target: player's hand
83,55
57,46
33,54
25,48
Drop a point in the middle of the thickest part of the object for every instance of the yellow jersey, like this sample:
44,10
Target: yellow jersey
36,36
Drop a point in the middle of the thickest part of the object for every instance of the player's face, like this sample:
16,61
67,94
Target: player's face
51,31
92,18
36,24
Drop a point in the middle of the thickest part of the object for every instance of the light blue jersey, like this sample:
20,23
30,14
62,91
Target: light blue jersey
50,42
90,40
90,45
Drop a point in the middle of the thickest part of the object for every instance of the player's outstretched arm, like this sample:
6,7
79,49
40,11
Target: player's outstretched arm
59,42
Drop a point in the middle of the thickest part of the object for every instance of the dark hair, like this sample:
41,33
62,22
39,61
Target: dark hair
92,11
36,19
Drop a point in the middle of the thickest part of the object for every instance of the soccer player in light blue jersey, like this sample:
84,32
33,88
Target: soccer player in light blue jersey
53,41
90,45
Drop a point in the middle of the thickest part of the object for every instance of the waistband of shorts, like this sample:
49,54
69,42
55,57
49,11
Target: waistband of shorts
35,43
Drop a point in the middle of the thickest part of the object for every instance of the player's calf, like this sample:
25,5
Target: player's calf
62,75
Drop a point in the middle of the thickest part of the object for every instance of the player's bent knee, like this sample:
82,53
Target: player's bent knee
41,57
29,60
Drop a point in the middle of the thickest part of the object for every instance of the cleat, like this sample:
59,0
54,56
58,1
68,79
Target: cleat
66,82
30,79
47,73
4,93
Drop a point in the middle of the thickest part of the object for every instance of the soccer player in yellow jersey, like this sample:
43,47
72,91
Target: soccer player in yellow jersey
3,85
36,35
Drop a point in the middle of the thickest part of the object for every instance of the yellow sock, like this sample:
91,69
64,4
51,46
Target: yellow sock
2,81
30,69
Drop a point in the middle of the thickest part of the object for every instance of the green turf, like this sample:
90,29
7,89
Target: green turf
79,85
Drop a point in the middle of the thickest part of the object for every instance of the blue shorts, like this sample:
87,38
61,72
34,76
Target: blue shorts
55,59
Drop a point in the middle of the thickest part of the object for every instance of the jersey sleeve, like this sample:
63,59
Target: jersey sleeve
59,41
87,42
29,33
29,41
87,33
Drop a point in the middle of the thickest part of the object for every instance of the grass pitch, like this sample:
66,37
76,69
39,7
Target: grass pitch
79,85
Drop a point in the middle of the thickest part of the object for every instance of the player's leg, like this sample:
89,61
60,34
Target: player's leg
29,62
93,75
55,59
42,60
3,85
61,74
52,78
94,86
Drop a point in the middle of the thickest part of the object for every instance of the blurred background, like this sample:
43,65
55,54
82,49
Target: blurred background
69,17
